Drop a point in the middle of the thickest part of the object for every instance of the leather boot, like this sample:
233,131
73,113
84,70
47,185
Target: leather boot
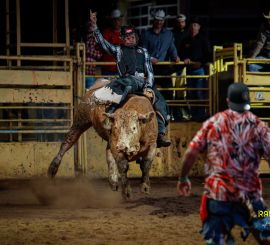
162,141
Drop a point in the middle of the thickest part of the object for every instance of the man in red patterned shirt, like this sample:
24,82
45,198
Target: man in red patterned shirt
235,140
93,53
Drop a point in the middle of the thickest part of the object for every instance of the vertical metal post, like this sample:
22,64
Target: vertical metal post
18,32
8,31
244,70
210,91
67,27
10,127
236,65
20,124
54,23
81,151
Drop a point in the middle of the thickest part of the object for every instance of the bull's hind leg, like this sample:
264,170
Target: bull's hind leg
112,168
71,138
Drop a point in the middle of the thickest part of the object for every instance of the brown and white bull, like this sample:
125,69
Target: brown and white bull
131,132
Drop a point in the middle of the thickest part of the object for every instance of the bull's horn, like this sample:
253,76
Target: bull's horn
109,115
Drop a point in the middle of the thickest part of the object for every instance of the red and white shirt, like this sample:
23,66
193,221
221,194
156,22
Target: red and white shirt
235,143
93,52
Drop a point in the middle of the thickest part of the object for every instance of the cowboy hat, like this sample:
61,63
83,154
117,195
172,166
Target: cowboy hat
159,15
267,16
115,14
181,17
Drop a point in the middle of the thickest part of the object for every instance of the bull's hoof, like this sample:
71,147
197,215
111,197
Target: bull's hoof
127,193
114,187
52,170
145,188
113,184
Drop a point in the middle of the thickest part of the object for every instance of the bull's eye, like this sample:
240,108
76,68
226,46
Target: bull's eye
134,128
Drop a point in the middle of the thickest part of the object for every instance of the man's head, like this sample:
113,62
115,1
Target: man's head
117,18
181,21
129,36
159,19
195,26
238,97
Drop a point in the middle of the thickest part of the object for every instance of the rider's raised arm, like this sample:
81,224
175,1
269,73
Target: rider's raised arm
105,45
149,70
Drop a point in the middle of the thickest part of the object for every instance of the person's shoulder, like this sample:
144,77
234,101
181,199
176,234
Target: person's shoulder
219,116
202,36
187,37
167,31
141,49
146,32
254,118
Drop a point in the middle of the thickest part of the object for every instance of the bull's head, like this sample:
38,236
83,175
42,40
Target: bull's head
125,127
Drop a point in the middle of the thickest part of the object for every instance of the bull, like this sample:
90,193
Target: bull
131,133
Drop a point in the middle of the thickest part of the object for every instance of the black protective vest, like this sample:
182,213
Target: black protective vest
132,59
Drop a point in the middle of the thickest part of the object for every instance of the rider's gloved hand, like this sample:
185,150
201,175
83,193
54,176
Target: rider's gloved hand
149,93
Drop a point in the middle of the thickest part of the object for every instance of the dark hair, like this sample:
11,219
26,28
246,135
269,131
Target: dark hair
196,20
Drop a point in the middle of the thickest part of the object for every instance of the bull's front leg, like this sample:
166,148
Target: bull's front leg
112,169
145,167
123,169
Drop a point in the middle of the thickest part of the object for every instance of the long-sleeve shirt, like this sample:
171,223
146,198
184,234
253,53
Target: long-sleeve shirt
179,36
196,48
93,51
262,46
159,45
117,52
113,37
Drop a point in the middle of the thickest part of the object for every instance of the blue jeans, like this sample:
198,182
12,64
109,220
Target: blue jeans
223,216
259,67
89,81
197,112
161,107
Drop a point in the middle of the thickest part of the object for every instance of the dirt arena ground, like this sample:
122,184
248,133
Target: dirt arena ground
87,212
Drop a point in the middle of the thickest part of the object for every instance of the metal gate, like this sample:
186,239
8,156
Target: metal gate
36,109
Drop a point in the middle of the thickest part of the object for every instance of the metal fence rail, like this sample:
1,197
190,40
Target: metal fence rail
174,102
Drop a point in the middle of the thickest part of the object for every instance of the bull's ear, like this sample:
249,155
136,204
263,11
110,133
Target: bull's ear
144,118
107,123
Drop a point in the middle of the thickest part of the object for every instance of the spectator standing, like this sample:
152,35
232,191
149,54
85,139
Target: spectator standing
112,35
196,50
180,32
159,42
262,46
93,53
235,140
